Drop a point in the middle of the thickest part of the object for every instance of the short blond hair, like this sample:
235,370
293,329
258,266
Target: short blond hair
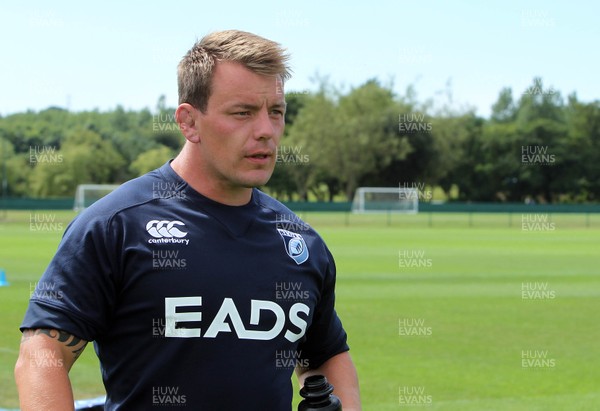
257,54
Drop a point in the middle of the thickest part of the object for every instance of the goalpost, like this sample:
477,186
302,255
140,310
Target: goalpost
87,194
386,199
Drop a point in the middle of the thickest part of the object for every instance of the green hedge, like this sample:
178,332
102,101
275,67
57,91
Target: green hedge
67,204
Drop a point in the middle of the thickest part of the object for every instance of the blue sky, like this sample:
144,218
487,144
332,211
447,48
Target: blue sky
86,56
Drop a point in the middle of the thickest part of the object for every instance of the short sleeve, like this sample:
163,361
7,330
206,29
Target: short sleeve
326,336
77,291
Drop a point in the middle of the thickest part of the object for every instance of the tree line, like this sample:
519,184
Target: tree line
535,146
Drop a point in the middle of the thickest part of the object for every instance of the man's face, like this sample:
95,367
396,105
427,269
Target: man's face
240,130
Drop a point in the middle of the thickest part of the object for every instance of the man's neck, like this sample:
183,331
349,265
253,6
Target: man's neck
191,173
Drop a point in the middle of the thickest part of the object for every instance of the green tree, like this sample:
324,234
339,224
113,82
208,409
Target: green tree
307,136
582,150
542,134
504,109
83,158
367,137
453,138
150,160
14,170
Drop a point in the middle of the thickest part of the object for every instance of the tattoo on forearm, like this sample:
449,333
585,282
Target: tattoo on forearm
75,343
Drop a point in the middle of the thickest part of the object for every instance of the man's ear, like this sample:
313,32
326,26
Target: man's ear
186,116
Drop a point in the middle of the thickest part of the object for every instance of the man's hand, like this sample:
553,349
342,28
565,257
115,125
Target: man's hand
341,373
41,372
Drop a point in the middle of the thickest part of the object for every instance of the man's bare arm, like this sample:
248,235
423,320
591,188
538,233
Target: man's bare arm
341,373
45,359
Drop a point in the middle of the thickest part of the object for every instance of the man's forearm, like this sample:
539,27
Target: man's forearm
43,388
41,371
341,373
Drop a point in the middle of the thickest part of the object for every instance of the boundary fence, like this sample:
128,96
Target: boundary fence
321,206
449,214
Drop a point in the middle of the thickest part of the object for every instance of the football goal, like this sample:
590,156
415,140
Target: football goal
87,194
385,200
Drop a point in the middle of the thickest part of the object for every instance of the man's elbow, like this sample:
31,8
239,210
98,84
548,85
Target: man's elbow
20,368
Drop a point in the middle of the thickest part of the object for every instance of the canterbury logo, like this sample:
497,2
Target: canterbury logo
165,229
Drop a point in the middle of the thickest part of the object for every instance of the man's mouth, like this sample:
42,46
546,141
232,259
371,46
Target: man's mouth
260,157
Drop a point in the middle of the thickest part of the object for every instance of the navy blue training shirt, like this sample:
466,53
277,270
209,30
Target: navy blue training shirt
192,303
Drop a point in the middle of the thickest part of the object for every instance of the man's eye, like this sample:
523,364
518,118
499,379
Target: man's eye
242,113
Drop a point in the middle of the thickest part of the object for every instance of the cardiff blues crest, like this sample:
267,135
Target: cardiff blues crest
295,246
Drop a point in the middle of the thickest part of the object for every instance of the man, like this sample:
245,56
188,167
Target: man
197,289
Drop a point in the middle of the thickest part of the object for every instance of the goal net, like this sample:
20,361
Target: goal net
386,199
87,194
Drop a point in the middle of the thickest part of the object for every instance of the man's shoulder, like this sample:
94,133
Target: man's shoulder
279,212
285,219
268,202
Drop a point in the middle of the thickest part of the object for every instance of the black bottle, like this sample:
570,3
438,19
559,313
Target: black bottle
317,394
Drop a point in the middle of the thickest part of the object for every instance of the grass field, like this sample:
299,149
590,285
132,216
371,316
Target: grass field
444,311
